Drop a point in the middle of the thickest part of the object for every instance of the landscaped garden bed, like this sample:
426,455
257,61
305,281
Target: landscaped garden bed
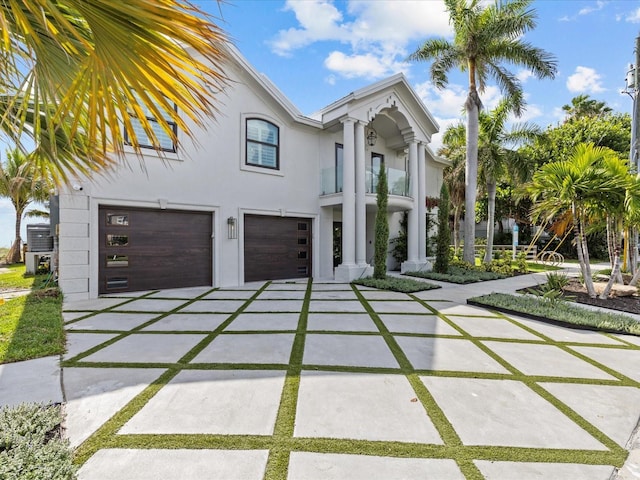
395,284
32,445
557,312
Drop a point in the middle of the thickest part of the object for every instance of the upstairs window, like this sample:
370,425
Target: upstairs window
263,144
164,141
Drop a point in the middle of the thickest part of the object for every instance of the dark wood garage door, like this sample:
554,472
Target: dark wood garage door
144,249
276,248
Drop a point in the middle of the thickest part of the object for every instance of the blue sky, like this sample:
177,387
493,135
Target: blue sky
316,51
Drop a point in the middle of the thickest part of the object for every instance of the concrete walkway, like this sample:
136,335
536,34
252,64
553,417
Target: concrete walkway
288,380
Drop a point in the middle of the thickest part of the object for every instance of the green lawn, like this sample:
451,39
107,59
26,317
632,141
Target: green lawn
31,326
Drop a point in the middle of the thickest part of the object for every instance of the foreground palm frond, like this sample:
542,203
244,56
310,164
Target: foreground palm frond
76,71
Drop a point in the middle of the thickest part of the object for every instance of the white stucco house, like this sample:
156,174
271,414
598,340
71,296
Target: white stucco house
265,193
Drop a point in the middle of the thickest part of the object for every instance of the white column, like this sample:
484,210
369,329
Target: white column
360,203
422,205
412,228
348,194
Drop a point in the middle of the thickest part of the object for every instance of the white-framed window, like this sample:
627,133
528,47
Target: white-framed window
262,144
164,141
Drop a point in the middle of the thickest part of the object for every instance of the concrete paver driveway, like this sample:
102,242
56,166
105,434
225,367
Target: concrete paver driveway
307,381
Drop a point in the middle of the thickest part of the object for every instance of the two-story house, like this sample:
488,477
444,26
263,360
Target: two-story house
265,193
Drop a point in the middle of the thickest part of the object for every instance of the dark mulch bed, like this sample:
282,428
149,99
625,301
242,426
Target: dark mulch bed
575,292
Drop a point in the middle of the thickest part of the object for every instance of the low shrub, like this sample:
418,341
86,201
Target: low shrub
461,275
31,444
395,284
560,311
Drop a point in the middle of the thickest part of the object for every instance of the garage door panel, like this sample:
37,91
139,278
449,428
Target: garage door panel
276,247
152,249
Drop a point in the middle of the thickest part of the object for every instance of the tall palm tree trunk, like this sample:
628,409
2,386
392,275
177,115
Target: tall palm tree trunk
491,214
15,255
456,229
472,106
615,271
583,253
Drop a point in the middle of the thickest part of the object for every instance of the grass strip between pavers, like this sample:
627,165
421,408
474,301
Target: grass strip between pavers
441,423
102,437
282,442
618,452
278,462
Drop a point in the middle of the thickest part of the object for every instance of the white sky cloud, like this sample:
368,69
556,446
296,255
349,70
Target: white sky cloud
599,5
634,17
524,75
585,80
377,36
368,65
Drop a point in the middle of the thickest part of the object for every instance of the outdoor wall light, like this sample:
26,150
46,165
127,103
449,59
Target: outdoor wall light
372,136
232,228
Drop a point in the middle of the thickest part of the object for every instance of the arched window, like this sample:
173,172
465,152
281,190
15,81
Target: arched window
263,144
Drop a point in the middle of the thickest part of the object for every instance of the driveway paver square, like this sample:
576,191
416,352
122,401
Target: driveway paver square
78,343
230,295
346,306
457,309
361,406
185,322
426,324
95,394
152,464
626,362
398,306
548,360
334,295
282,295
447,354
264,321
150,305
228,402
112,321
341,322
612,409
248,348
505,412
537,471
491,327
147,348
266,306
332,466
214,306
565,334
349,350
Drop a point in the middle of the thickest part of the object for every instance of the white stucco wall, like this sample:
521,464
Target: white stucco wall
211,175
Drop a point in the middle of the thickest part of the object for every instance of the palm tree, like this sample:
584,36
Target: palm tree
75,72
453,175
484,37
21,182
584,183
496,159
584,106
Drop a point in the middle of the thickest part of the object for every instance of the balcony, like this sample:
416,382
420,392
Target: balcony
397,181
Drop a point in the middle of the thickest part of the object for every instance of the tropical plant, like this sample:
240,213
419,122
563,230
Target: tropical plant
77,75
443,239
584,106
484,38
494,156
453,177
584,183
22,183
382,226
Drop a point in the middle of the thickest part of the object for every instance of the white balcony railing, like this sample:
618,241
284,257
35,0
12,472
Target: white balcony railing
397,181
